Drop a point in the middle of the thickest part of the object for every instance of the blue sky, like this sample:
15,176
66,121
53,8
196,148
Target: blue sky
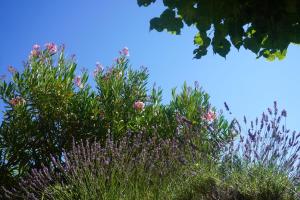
95,30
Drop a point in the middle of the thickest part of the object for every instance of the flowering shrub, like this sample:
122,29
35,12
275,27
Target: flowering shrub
49,108
43,111
192,107
48,105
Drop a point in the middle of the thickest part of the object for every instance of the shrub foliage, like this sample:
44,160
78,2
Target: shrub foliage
61,138
48,104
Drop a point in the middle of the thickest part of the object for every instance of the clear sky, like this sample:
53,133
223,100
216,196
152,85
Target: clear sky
95,30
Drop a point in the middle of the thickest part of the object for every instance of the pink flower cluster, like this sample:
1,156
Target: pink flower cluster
124,51
98,69
51,47
210,116
35,52
17,101
77,81
36,49
139,105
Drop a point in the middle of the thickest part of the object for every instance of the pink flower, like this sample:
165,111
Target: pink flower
51,47
13,101
77,81
34,53
139,105
210,116
124,51
11,69
17,101
36,47
99,68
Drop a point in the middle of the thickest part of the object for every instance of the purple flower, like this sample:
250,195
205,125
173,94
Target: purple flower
283,113
270,111
51,47
197,85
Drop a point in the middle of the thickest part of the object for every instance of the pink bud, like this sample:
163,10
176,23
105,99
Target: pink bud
125,51
36,47
34,53
77,81
17,101
210,116
98,69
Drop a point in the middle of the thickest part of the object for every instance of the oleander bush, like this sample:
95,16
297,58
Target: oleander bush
50,103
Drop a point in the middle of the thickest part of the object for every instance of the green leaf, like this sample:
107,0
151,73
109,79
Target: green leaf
281,54
145,2
168,21
198,53
221,46
236,34
202,49
245,23
198,39
252,45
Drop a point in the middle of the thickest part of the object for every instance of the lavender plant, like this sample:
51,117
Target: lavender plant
136,167
139,167
267,143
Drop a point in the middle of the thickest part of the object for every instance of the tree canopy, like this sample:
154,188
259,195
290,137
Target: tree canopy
264,27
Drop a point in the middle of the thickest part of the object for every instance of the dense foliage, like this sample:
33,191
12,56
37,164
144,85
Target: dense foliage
139,167
48,105
60,138
264,27
268,143
252,182
135,167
